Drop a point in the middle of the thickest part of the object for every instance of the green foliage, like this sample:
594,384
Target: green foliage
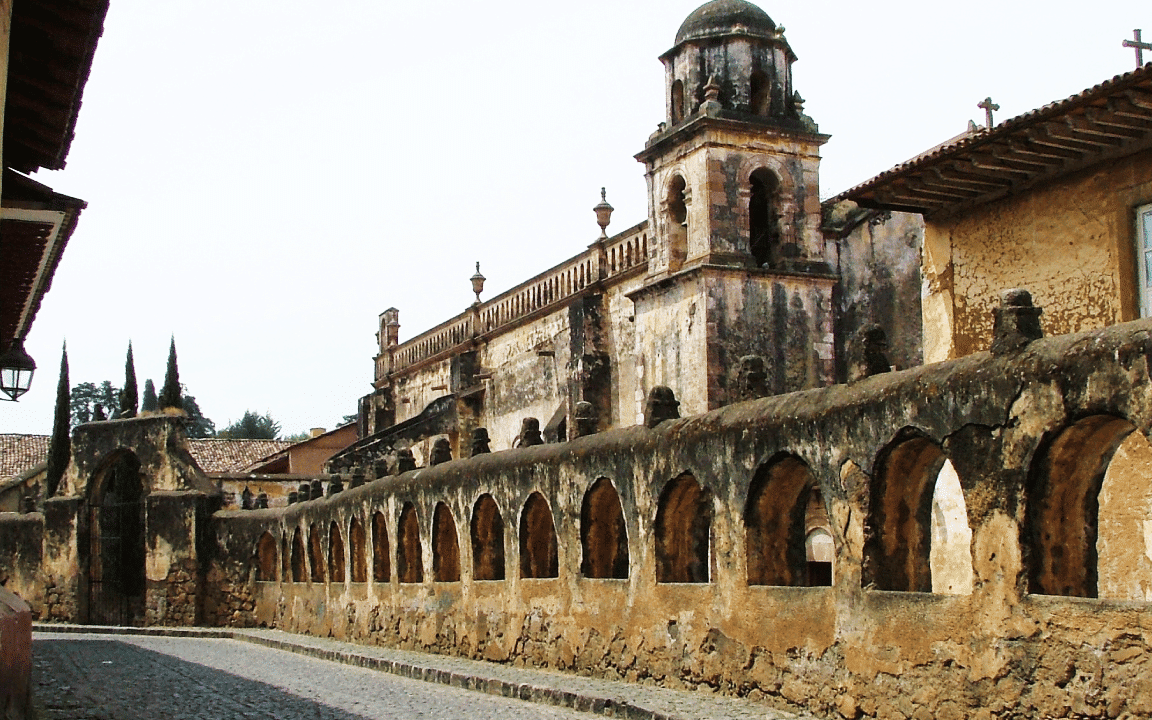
253,426
296,437
86,396
198,425
170,394
150,403
354,417
60,446
129,399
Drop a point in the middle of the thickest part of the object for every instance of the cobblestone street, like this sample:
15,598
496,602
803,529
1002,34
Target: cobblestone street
120,677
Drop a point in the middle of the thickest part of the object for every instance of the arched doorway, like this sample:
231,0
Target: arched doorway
116,543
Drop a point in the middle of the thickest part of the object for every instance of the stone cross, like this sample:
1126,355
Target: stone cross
988,106
1140,46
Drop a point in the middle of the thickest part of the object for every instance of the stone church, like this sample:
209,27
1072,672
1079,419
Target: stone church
728,291
705,452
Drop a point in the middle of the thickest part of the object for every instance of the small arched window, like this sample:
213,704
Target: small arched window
761,95
677,223
677,101
764,218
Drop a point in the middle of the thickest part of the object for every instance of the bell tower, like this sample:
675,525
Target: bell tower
734,209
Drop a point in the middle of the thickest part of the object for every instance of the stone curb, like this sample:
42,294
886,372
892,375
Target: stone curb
600,703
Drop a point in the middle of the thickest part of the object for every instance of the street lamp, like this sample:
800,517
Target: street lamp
16,368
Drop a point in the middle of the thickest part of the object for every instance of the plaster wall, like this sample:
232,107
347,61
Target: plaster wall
1071,243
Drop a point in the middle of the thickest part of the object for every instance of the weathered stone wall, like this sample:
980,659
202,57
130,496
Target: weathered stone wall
21,554
1029,437
1071,242
878,265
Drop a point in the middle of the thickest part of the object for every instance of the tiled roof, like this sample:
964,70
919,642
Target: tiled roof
1107,121
19,453
214,455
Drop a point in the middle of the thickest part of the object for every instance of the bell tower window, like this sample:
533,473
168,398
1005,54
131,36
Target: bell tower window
677,223
677,101
761,94
764,218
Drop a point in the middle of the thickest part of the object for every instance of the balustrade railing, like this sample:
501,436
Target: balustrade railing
603,261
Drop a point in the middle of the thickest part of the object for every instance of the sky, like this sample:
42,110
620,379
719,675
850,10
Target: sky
264,180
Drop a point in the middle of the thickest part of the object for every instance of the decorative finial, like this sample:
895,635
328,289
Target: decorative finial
603,213
1139,45
711,104
478,282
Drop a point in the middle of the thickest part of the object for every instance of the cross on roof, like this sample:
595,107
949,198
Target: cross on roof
1139,46
988,106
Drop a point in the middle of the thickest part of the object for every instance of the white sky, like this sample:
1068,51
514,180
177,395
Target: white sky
264,180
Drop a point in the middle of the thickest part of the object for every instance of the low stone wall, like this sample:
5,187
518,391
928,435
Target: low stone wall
676,555
21,556
15,657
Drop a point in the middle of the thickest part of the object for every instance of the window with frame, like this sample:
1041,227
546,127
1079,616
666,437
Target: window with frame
1144,257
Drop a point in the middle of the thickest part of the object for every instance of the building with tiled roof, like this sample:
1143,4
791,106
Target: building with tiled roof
1057,201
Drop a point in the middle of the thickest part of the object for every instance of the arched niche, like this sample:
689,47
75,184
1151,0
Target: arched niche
335,554
487,530
1065,513
266,557
764,218
358,551
676,208
683,532
783,508
603,533
538,546
916,496
409,554
445,546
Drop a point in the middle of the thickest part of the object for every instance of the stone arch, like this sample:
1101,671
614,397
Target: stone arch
784,507
445,546
912,477
487,540
335,554
683,532
1064,509
676,199
764,218
781,220
316,552
116,548
266,558
299,573
409,554
538,546
286,557
381,550
357,551
603,533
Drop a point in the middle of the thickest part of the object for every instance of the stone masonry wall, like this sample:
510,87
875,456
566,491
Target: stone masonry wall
1028,436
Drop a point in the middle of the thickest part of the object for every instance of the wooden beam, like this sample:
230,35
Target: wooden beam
957,177
1027,147
1043,135
1106,118
985,162
1006,155
922,187
1081,123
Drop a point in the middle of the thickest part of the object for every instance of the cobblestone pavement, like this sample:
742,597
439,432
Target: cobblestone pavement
121,677
241,683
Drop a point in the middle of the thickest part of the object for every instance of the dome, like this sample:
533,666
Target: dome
720,17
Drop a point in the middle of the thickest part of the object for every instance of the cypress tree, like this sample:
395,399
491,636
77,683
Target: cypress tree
170,394
60,446
129,399
149,403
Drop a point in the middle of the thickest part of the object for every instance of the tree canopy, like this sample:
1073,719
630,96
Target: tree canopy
253,426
